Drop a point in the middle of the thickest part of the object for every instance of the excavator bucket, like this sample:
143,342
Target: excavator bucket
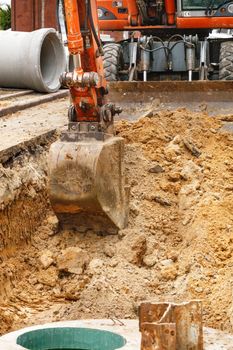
87,184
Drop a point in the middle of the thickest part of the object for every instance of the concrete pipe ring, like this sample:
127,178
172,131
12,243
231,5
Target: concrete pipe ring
81,334
32,60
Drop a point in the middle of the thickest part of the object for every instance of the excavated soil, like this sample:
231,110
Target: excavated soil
178,244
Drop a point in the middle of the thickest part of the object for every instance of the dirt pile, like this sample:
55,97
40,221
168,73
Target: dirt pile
178,244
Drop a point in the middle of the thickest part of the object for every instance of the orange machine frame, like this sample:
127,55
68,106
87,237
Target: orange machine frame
132,21
87,99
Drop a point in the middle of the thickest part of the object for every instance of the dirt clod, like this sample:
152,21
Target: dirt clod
72,260
46,258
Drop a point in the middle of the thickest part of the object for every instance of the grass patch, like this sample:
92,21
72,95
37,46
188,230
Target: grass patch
5,17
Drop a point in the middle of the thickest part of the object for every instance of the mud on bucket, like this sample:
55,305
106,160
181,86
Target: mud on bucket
70,339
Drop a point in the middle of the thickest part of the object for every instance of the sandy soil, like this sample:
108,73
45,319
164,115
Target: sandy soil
178,244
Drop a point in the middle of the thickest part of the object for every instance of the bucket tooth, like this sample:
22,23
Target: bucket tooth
87,184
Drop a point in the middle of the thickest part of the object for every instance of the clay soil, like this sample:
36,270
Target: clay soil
178,244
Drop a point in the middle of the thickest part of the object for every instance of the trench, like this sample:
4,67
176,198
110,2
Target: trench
177,246
24,203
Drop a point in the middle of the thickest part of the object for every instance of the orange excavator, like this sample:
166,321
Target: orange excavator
86,175
161,40
168,39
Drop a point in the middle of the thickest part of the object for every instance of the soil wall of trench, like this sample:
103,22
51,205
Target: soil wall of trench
178,244
23,203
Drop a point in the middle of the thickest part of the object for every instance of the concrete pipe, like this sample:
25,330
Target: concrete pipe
31,60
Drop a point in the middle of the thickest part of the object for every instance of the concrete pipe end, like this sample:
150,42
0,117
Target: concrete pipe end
31,60
52,61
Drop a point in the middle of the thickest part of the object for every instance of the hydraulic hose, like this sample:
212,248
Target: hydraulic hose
86,17
96,37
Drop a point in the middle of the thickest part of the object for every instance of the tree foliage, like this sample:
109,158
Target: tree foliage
5,17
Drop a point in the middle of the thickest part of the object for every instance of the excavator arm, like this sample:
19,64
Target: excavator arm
87,84
86,174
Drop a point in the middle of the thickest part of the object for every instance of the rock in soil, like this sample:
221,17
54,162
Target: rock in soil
72,260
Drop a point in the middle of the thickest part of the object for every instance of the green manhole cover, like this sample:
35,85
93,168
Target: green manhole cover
70,339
